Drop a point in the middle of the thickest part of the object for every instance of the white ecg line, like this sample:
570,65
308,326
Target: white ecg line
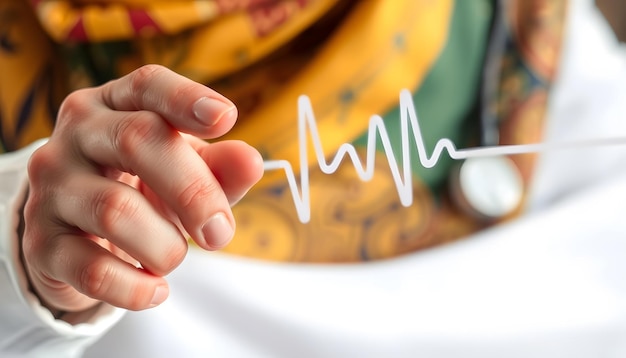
403,182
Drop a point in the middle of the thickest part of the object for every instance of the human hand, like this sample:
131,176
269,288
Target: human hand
121,182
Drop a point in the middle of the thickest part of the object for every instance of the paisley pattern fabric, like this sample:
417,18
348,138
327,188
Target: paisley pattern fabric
350,58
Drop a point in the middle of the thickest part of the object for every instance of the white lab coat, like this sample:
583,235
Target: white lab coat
550,284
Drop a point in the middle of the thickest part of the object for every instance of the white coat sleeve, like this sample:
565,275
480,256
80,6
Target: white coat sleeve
27,329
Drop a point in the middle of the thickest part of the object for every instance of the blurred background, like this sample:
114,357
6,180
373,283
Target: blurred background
615,13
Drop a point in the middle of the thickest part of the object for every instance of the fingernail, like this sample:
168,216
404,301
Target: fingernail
217,231
209,111
160,294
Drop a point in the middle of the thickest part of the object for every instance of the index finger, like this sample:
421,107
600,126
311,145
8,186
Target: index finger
188,106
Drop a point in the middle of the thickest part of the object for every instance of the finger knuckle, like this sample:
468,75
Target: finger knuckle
34,234
112,206
43,165
31,243
96,278
141,78
74,107
138,129
38,229
182,94
197,193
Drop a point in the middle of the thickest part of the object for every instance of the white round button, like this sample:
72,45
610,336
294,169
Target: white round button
492,186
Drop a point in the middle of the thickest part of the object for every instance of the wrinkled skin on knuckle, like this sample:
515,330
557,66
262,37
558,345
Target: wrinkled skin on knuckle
183,94
111,206
140,81
138,129
197,193
32,232
96,278
38,212
31,244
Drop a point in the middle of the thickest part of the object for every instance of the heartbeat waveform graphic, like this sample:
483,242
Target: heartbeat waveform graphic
402,176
